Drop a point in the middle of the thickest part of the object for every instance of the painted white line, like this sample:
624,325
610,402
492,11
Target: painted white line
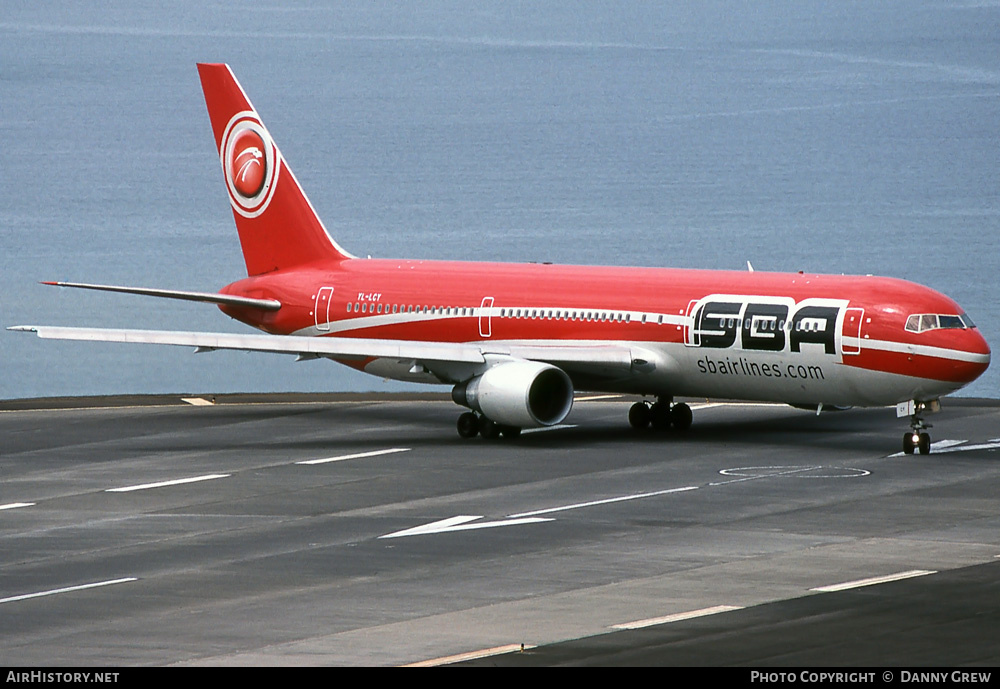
623,498
15,505
593,398
460,523
806,472
161,484
942,446
676,617
967,448
548,428
198,401
68,589
768,472
874,580
472,655
360,455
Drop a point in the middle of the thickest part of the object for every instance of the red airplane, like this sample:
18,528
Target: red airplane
515,340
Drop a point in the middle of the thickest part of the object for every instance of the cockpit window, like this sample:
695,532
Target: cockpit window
922,322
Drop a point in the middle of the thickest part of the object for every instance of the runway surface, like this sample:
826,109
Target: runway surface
353,530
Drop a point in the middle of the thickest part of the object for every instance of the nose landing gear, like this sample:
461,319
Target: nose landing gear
917,439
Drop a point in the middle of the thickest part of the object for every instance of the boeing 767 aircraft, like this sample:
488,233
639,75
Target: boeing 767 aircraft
515,340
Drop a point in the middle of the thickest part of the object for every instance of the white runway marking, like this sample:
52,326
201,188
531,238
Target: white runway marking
606,501
473,655
161,484
817,471
359,455
676,617
594,398
460,523
993,445
15,505
548,428
68,589
874,580
946,445
198,401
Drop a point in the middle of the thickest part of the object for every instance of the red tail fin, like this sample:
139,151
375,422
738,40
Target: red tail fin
277,225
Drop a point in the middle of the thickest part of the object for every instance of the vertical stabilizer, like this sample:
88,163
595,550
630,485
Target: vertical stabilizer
277,225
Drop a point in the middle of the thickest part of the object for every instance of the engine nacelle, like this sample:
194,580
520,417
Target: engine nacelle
524,394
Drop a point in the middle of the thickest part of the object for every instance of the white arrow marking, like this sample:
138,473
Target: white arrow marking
460,523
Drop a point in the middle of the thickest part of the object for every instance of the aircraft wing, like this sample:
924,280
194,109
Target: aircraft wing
597,358
209,297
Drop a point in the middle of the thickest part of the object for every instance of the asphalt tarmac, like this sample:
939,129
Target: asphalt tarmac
360,530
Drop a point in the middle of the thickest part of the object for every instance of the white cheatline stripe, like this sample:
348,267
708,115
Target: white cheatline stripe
676,617
359,455
636,496
472,655
68,589
710,405
922,350
874,580
15,505
161,484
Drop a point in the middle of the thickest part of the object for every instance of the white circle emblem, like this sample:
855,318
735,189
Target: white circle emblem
250,162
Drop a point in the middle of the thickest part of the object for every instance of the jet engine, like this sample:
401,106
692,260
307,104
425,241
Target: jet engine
523,394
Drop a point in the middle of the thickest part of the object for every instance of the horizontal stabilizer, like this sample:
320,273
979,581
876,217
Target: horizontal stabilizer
210,297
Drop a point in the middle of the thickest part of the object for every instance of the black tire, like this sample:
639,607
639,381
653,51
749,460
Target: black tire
638,415
659,416
490,430
510,432
924,444
681,416
468,425
908,443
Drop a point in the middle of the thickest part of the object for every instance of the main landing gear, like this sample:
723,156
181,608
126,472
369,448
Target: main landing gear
660,415
471,424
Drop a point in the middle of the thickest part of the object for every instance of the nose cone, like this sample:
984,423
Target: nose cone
977,356
983,349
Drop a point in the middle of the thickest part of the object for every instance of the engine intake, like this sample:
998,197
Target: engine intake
524,394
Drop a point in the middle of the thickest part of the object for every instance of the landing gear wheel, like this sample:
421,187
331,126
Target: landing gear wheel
468,425
924,445
681,416
917,439
659,416
490,430
638,415
510,432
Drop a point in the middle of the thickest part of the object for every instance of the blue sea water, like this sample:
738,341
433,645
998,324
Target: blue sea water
801,135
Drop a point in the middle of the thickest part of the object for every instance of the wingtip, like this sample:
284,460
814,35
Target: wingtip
23,328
